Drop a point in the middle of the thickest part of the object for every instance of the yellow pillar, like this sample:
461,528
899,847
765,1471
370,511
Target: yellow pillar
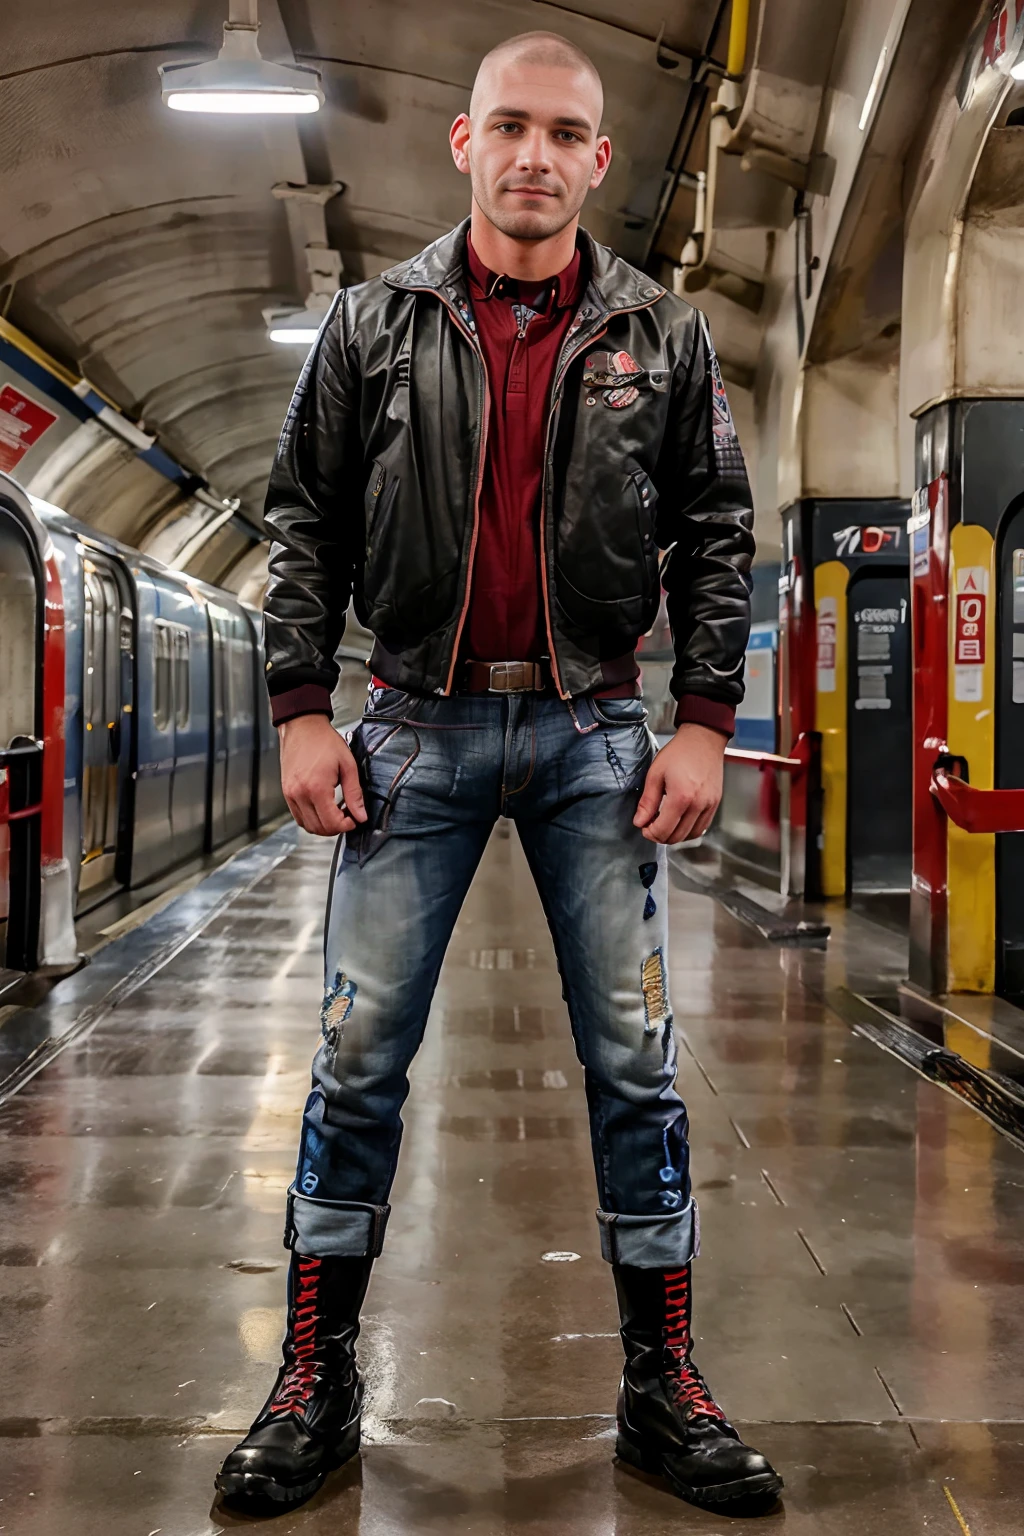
972,690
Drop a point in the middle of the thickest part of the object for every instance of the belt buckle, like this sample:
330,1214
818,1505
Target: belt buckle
512,677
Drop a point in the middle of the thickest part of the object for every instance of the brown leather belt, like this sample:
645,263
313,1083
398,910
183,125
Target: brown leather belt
504,677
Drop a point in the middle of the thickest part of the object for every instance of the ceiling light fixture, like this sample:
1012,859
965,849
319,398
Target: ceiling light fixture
239,79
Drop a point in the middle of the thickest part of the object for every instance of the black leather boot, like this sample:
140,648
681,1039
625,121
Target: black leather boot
668,1422
310,1422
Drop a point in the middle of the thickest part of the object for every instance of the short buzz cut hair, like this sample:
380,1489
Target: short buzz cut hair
545,48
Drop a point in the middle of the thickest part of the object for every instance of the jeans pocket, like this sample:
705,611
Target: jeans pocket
389,704
630,711
381,778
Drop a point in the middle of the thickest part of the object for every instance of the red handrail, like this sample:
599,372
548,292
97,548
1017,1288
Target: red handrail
28,810
978,810
794,764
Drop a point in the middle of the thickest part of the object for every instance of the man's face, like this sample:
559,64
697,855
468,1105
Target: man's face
532,147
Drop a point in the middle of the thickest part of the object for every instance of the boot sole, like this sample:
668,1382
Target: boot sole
255,1489
761,1490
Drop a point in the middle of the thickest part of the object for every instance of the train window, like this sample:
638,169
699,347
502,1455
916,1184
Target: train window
182,703
88,683
163,691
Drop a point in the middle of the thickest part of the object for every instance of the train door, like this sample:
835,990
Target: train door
106,642
1010,757
267,799
20,699
233,725
880,735
220,704
187,714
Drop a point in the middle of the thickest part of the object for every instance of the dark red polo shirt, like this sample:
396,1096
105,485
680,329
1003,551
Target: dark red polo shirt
521,328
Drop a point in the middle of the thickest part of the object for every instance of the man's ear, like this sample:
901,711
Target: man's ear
459,138
602,160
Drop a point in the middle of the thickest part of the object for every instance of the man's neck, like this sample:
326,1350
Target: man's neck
529,261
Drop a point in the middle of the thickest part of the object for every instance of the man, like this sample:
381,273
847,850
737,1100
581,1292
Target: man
488,446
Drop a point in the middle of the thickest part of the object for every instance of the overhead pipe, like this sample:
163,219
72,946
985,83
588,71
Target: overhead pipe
699,273
736,57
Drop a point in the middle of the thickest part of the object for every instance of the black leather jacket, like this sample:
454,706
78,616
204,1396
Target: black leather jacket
375,487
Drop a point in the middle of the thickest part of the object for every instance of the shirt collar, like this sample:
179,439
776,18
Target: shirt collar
566,285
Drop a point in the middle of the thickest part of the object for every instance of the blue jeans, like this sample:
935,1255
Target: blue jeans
437,773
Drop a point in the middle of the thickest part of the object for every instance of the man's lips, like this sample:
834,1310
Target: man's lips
530,192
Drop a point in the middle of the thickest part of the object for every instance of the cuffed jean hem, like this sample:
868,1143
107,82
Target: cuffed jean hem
651,1242
335,1229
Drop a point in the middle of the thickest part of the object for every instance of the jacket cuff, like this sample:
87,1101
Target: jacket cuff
694,709
307,699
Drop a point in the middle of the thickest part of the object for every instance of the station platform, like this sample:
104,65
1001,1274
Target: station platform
856,1301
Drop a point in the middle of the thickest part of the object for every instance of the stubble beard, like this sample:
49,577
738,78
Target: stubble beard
527,224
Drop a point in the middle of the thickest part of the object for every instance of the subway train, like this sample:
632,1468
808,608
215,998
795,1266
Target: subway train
135,726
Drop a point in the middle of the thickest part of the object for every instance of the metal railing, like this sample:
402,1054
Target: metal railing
973,809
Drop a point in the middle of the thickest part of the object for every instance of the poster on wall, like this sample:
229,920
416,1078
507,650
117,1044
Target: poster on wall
828,620
22,424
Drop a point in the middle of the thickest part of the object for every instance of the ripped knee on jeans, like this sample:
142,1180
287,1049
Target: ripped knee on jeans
335,1009
654,985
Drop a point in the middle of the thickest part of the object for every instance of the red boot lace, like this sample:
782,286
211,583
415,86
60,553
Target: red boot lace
296,1388
689,1388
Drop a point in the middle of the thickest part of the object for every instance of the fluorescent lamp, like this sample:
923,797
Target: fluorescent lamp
239,79
298,327
291,336
1017,72
241,101
876,80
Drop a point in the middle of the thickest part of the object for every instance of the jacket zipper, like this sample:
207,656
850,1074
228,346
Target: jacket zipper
478,353
476,526
556,397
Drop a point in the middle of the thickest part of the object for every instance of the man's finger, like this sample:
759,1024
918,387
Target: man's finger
664,839
687,825
331,816
704,823
673,808
650,800
351,789
302,813
308,817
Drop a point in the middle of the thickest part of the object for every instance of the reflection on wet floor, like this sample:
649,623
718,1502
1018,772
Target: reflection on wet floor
857,1298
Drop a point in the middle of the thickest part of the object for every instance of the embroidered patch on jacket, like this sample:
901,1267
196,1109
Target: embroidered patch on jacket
464,309
721,416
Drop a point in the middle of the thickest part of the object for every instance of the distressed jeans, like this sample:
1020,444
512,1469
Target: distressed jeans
437,773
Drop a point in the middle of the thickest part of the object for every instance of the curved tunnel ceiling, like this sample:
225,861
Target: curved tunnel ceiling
140,246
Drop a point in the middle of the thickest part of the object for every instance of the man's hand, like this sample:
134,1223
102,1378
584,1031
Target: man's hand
683,787
314,761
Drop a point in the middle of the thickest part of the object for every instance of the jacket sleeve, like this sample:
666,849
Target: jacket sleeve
706,518
313,512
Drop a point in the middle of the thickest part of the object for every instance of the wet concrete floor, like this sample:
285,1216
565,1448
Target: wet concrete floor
857,1299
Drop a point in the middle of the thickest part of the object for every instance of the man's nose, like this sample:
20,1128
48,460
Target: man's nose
533,153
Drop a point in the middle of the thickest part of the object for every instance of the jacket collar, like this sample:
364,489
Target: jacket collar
441,269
